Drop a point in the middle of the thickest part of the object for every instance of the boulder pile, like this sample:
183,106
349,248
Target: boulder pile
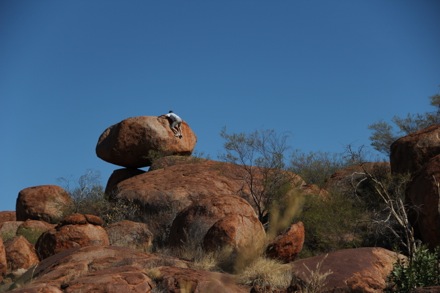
183,202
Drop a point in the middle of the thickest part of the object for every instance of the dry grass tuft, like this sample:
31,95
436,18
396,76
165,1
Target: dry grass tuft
316,279
264,272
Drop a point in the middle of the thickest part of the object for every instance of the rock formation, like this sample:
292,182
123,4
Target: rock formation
49,203
74,231
288,245
423,196
411,152
350,270
185,202
135,141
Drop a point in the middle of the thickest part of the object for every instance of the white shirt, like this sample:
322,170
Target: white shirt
174,117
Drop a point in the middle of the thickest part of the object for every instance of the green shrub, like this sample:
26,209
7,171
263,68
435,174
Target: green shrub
331,223
423,270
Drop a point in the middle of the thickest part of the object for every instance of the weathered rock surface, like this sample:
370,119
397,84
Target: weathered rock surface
8,230
193,222
20,254
240,236
288,245
102,269
133,142
164,192
411,152
118,176
172,279
130,234
48,203
32,229
7,216
423,193
353,270
74,231
3,262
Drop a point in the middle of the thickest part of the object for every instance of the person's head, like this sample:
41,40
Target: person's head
171,111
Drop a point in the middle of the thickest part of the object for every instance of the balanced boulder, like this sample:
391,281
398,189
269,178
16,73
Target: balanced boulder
134,142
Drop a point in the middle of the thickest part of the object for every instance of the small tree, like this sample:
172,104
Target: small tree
261,155
394,216
384,134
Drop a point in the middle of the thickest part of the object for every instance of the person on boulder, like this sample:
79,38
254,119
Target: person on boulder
176,123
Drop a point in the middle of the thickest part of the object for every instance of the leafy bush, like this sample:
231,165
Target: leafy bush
423,270
331,223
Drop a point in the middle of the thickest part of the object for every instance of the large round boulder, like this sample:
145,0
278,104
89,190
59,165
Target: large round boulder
193,222
286,246
164,192
136,141
240,238
423,196
76,230
411,152
130,234
363,269
49,203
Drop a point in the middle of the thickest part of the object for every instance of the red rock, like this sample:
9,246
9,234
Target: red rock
411,152
7,216
8,230
40,288
134,142
164,192
3,261
81,219
423,193
112,280
32,229
48,203
20,254
176,280
78,269
118,176
74,231
130,234
352,270
194,222
288,245
243,237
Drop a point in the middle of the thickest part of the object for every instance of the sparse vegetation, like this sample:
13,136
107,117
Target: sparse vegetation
316,279
89,198
383,133
267,274
423,270
367,209
316,167
327,232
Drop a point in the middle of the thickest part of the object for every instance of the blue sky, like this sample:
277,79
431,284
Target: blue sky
321,70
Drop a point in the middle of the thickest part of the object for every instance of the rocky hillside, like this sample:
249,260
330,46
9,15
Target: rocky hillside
198,208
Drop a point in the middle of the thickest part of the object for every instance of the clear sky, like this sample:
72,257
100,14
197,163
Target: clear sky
321,70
